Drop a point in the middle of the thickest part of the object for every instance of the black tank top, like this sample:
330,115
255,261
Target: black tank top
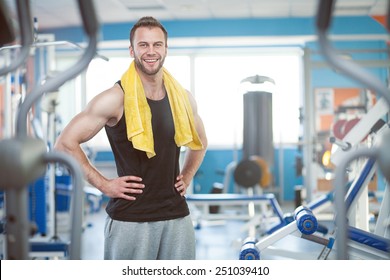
160,200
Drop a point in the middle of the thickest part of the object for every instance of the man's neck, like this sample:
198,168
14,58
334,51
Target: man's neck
153,85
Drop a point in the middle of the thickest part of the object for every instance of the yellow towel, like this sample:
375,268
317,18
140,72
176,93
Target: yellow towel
138,115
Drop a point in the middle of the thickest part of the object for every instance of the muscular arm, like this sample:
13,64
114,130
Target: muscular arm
105,108
193,158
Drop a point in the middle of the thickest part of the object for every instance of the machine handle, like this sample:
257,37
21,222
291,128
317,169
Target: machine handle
324,14
7,32
59,80
388,16
88,15
77,204
24,16
349,68
17,248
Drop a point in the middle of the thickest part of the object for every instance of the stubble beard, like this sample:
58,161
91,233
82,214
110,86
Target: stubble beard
146,71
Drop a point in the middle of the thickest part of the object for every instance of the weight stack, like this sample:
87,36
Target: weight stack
258,131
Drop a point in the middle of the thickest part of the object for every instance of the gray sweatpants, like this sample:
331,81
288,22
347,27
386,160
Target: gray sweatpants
162,240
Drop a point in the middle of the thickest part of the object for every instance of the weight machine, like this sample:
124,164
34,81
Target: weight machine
260,211
363,245
380,153
25,158
251,175
348,241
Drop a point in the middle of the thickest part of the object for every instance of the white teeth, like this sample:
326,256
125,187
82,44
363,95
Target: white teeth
150,60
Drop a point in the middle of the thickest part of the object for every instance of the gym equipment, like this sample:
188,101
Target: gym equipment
251,172
266,176
24,16
249,250
360,131
306,221
43,46
257,134
24,158
7,33
362,244
342,127
258,128
351,69
264,219
247,173
303,225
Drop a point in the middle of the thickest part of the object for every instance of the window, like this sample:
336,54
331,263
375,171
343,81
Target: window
219,93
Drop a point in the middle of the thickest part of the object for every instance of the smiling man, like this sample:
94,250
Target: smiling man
147,116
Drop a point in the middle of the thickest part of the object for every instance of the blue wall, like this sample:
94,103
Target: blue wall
212,170
214,166
326,77
232,27
290,178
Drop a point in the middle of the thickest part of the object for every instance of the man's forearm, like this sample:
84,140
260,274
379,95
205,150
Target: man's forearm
91,174
192,162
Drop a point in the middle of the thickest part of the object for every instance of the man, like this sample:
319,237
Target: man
147,116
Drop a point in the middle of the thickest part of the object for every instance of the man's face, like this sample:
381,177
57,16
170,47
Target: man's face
149,49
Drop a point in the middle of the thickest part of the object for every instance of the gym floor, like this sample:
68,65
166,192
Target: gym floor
216,240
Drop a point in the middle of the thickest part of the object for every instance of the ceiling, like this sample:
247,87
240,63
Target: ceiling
62,13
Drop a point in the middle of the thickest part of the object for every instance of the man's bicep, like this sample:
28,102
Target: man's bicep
100,110
86,126
80,129
201,130
198,120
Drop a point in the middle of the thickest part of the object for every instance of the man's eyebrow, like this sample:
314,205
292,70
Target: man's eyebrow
145,42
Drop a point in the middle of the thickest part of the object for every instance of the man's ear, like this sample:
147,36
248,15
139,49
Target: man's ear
131,51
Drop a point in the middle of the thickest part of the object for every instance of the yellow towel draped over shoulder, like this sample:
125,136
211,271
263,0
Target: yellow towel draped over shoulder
139,117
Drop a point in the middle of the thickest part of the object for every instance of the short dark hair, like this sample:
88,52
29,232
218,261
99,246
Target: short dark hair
147,22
